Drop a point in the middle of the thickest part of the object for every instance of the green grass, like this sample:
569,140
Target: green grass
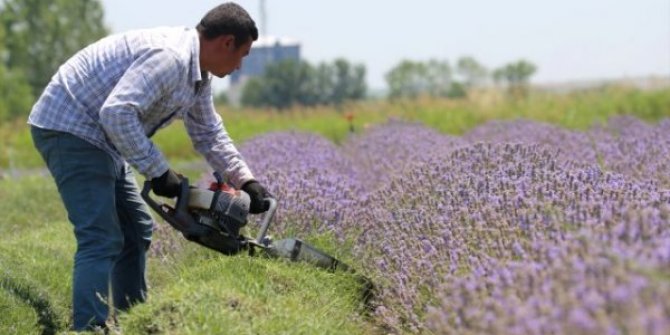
577,110
194,291
16,316
243,295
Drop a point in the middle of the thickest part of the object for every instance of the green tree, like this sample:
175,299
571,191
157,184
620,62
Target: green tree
289,83
457,90
407,80
516,77
472,72
438,77
284,84
348,82
411,79
253,93
16,98
221,98
15,95
323,81
339,82
41,35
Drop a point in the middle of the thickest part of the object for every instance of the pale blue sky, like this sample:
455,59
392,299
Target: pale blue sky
566,39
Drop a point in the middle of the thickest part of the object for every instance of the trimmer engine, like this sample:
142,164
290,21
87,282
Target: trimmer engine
210,217
225,212
213,218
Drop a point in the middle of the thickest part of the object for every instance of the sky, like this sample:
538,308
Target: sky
568,40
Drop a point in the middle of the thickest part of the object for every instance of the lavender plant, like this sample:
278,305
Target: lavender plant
516,227
314,181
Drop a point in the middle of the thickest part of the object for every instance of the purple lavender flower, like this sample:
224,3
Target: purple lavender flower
515,227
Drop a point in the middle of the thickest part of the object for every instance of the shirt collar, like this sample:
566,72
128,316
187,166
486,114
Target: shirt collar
198,77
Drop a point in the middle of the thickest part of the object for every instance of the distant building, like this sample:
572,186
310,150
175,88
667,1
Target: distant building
264,51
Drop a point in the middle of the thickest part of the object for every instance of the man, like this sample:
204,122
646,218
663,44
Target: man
94,120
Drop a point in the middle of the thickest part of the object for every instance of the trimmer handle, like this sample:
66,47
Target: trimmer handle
267,218
182,198
178,216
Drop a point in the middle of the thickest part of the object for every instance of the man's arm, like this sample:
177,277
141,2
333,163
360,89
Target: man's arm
151,77
210,138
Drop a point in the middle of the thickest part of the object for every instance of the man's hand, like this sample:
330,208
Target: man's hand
167,185
258,194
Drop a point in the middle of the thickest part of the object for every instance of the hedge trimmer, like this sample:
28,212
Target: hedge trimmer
213,218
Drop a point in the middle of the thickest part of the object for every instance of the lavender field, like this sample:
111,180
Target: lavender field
516,227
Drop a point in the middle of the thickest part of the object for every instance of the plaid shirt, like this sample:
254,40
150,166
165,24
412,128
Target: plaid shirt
117,92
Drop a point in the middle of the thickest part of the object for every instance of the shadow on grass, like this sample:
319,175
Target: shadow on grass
47,317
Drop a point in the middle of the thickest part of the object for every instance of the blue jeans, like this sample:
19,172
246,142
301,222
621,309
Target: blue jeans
111,222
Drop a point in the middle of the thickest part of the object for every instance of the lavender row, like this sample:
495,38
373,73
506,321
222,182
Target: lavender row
496,205
515,227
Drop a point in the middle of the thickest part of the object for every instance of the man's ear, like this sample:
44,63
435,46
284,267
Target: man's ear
228,42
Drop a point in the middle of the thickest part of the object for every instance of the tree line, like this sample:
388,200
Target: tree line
37,36
289,82
438,78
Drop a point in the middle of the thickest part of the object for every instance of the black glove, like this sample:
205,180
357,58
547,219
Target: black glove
167,185
258,194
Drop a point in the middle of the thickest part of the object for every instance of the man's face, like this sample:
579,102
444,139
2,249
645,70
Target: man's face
229,57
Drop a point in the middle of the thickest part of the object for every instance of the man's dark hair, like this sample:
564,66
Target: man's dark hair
228,19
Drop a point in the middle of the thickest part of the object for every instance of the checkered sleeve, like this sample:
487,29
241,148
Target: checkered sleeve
151,77
205,127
